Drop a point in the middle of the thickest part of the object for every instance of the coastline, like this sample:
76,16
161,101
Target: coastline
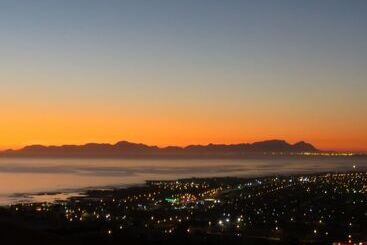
64,195
231,209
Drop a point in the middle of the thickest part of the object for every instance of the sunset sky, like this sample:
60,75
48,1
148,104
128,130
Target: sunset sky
183,72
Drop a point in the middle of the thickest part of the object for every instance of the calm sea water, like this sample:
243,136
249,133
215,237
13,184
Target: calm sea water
21,176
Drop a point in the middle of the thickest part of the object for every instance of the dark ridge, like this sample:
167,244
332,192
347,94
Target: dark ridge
128,149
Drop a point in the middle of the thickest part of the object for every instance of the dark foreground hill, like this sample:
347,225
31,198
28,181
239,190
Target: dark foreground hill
128,149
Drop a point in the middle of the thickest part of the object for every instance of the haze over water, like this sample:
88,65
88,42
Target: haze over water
24,175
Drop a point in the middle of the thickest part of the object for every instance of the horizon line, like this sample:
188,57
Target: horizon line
363,151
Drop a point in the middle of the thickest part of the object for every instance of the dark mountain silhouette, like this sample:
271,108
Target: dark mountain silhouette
128,149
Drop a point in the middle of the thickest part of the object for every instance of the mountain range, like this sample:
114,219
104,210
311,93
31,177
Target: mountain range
128,149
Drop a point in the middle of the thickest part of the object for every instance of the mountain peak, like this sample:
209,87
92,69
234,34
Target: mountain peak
307,147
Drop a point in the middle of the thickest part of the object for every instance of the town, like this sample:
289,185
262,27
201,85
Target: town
325,208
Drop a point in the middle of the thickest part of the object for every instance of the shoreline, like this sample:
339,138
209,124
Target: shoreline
313,208
71,193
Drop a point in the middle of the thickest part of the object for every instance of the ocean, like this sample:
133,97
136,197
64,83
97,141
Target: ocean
26,179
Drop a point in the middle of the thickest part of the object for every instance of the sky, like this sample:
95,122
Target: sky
183,72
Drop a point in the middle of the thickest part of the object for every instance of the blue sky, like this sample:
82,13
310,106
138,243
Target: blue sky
299,65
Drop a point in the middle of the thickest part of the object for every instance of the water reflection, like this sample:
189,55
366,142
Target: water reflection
21,175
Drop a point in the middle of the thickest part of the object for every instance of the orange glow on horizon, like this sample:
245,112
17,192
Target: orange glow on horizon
179,136
181,126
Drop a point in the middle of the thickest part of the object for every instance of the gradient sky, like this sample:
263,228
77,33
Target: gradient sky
182,72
